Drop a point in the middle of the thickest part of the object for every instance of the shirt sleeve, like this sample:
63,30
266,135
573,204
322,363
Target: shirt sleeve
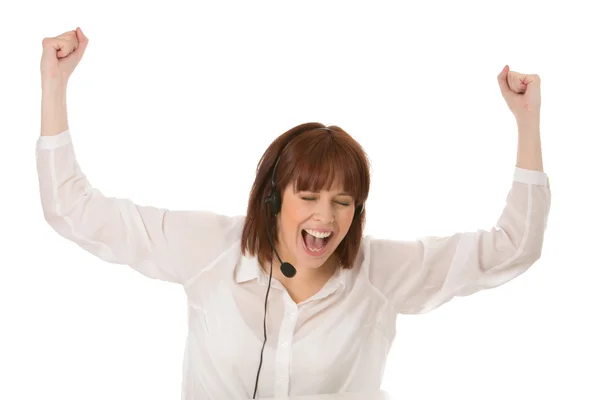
159,243
419,276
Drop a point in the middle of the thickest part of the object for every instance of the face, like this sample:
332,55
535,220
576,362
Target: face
312,224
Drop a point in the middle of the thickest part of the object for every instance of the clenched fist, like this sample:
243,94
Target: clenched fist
60,56
522,94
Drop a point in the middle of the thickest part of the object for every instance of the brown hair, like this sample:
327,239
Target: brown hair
311,158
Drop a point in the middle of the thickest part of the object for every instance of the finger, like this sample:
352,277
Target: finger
531,79
82,42
528,83
66,47
502,79
516,81
80,35
62,46
533,86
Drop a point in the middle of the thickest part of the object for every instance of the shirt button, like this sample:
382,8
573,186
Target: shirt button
292,315
284,345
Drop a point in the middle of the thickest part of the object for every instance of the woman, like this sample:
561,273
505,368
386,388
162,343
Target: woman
296,269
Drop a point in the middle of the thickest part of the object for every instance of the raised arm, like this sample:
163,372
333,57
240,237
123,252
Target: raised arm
421,275
168,245
159,243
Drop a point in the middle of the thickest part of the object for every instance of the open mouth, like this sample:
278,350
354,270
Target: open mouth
313,245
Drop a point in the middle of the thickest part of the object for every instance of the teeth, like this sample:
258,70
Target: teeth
318,234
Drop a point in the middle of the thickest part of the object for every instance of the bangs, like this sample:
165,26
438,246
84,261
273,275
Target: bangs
324,162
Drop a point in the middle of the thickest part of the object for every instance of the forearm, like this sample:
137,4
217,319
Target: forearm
529,151
54,109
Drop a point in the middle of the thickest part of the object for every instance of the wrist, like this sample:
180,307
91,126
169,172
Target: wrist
528,122
51,86
54,109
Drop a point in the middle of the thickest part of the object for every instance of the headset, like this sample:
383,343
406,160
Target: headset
273,204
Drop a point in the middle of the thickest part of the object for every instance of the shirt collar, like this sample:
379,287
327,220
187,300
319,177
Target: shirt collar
247,269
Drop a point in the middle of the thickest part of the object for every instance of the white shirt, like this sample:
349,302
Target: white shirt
336,341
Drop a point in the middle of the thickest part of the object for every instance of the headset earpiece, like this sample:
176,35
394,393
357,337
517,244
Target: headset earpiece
274,202
358,210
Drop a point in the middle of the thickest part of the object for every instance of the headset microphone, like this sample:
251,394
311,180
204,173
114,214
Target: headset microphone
288,270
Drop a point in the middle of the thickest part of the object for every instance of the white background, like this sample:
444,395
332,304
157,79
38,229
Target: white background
173,105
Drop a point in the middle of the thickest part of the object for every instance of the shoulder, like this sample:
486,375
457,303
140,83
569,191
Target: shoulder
376,253
197,238
384,262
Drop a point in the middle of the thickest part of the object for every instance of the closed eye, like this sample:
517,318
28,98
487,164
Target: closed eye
339,202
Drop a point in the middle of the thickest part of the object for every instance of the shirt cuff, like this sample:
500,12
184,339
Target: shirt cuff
530,176
54,141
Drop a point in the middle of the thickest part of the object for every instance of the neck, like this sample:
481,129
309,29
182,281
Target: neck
305,276
307,282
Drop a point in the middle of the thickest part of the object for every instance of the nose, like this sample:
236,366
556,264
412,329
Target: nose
325,212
